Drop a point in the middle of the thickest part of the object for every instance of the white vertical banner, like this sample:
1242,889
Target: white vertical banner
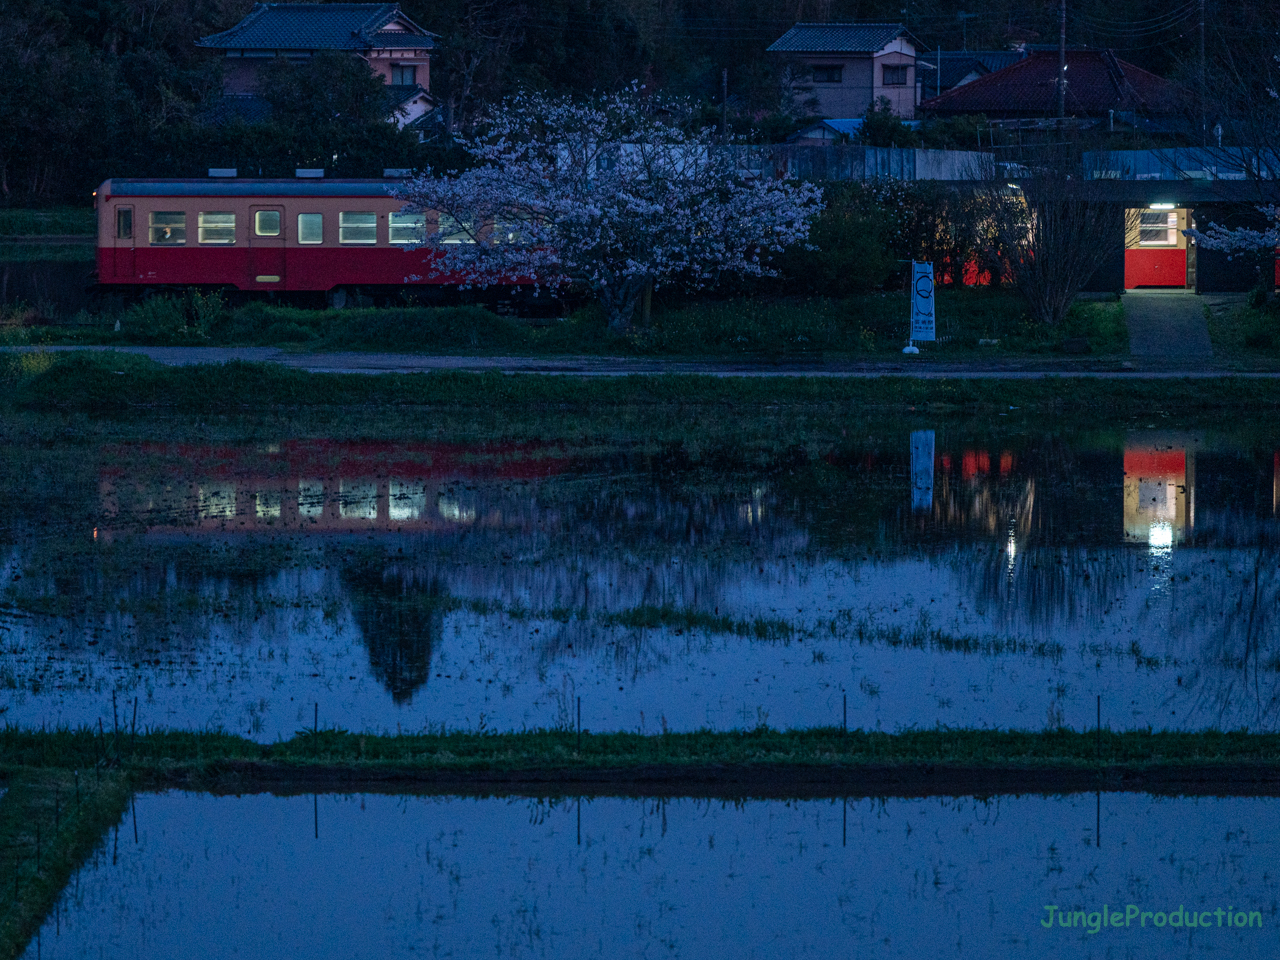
922,470
922,319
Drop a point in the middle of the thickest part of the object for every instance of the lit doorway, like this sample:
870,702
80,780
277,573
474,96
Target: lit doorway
1156,251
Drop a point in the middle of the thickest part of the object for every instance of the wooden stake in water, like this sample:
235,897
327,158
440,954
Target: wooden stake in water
133,809
1098,729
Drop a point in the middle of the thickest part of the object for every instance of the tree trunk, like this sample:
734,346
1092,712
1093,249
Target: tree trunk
620,301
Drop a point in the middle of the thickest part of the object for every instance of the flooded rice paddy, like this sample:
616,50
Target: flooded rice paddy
258,876
914,573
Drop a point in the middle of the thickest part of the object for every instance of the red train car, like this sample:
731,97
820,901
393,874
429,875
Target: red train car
320,236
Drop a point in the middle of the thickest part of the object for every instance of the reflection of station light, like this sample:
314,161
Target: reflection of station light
408,501
1159,495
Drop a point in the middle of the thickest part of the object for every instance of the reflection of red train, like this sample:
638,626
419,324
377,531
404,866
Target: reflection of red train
317,485
263,235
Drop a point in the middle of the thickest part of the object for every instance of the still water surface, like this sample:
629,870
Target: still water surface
382,876
924,573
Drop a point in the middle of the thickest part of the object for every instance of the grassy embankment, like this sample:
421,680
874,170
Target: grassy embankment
860,326
51,820
62,234
118,383
763,756
1246,331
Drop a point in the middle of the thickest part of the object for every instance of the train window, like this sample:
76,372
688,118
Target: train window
408,227
266,223
168,228
311,228
453,231
511,230
357,228
216,227
124,223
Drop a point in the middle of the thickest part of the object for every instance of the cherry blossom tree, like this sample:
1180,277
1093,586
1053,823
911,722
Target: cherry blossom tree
613,193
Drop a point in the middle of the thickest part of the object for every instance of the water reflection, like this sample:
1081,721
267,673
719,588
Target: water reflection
932,575
399,876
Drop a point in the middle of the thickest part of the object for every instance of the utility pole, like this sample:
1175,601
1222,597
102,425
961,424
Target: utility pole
1204,123
1062,59
724,105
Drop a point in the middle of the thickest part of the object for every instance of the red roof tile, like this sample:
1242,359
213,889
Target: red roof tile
1097,81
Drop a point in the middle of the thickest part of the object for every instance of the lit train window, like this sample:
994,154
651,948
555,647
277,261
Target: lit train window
357,228
217,227
266,223
168,229
311,228
511,230
451,231
408,227
124,223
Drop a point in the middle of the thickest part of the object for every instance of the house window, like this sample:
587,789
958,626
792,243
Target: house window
408,227
311,228
124,223
451,231
828,73
266,223
216,227
895,75
1158,228
168,228
404,74
357,228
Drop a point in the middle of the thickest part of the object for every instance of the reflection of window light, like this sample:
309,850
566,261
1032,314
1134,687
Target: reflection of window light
310,498
408,500
357,501
268,504
1161,536
217,501
450,509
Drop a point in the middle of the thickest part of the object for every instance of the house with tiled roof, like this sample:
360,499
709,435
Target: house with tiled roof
847,67
1099,85
396,49
955,68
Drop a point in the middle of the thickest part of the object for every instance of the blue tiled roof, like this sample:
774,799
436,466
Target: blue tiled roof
838,37
320,26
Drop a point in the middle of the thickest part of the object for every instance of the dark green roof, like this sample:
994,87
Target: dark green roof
320,26
839,38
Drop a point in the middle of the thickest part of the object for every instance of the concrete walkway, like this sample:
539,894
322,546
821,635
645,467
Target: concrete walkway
1166,323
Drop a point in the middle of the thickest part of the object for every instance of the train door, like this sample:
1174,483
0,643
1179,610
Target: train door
124,263
266,248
